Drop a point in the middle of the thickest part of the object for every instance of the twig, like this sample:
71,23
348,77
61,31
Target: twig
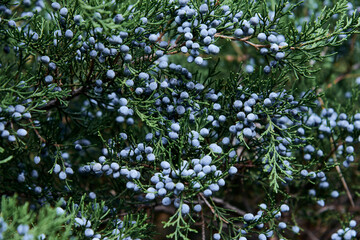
55,102
311,235
236,48
332,152
40,137
165,209
245,40
37,132
212,209
202,223
326,208
90,71
163,32
344,184
228,206
231,58
345,75
342,177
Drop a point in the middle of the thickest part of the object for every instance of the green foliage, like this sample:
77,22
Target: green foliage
45,220
103,138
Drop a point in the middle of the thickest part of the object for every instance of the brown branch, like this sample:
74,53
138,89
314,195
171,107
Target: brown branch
232,58
332,151
245,40
342,178
212,209
165,209
56,102
37,132
326,208
311,235
40,137
91,70
73,93
345,75
202,223
163,32
228,206
237,48
344,184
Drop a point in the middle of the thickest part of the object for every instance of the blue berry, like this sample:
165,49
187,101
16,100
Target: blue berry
89,232
267,69
175,127
12,23
284,208
22,229
92,195
334,194
206,160
264,51
45,59
77,19
199,60
233,170
69,34
197,208
352,223
118,18
63,12
56,6
60,211
150,196
37,159
279,55
295,229
282,225
238,33
153,38
110,74
262,236
213,49
166,201
144,76
21,132
169,186
49,79
204,132
247,133
261,37
150,157
185,209
249,69
203,8
248,217
180,186
274,47
62,175
321,202
216,236
207,193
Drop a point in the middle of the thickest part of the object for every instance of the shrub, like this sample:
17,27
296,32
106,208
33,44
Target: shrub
225,120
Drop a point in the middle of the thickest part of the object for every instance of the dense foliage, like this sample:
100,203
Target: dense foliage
179,119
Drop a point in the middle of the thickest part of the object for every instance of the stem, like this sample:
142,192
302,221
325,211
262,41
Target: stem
245,40
203,236
55,102
212,209
342,178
